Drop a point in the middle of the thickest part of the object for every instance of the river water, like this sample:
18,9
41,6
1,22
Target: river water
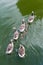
11,14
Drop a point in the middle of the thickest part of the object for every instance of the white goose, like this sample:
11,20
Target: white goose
31,17
21,51
16,35
10,47
22,27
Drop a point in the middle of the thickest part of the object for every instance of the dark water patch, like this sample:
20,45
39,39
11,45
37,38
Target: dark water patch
26,6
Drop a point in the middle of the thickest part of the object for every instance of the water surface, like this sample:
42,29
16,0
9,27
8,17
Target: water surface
11,14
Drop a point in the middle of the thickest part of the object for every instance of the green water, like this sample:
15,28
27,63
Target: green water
11,14
26,6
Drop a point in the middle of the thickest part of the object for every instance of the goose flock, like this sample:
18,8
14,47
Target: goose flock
23,27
